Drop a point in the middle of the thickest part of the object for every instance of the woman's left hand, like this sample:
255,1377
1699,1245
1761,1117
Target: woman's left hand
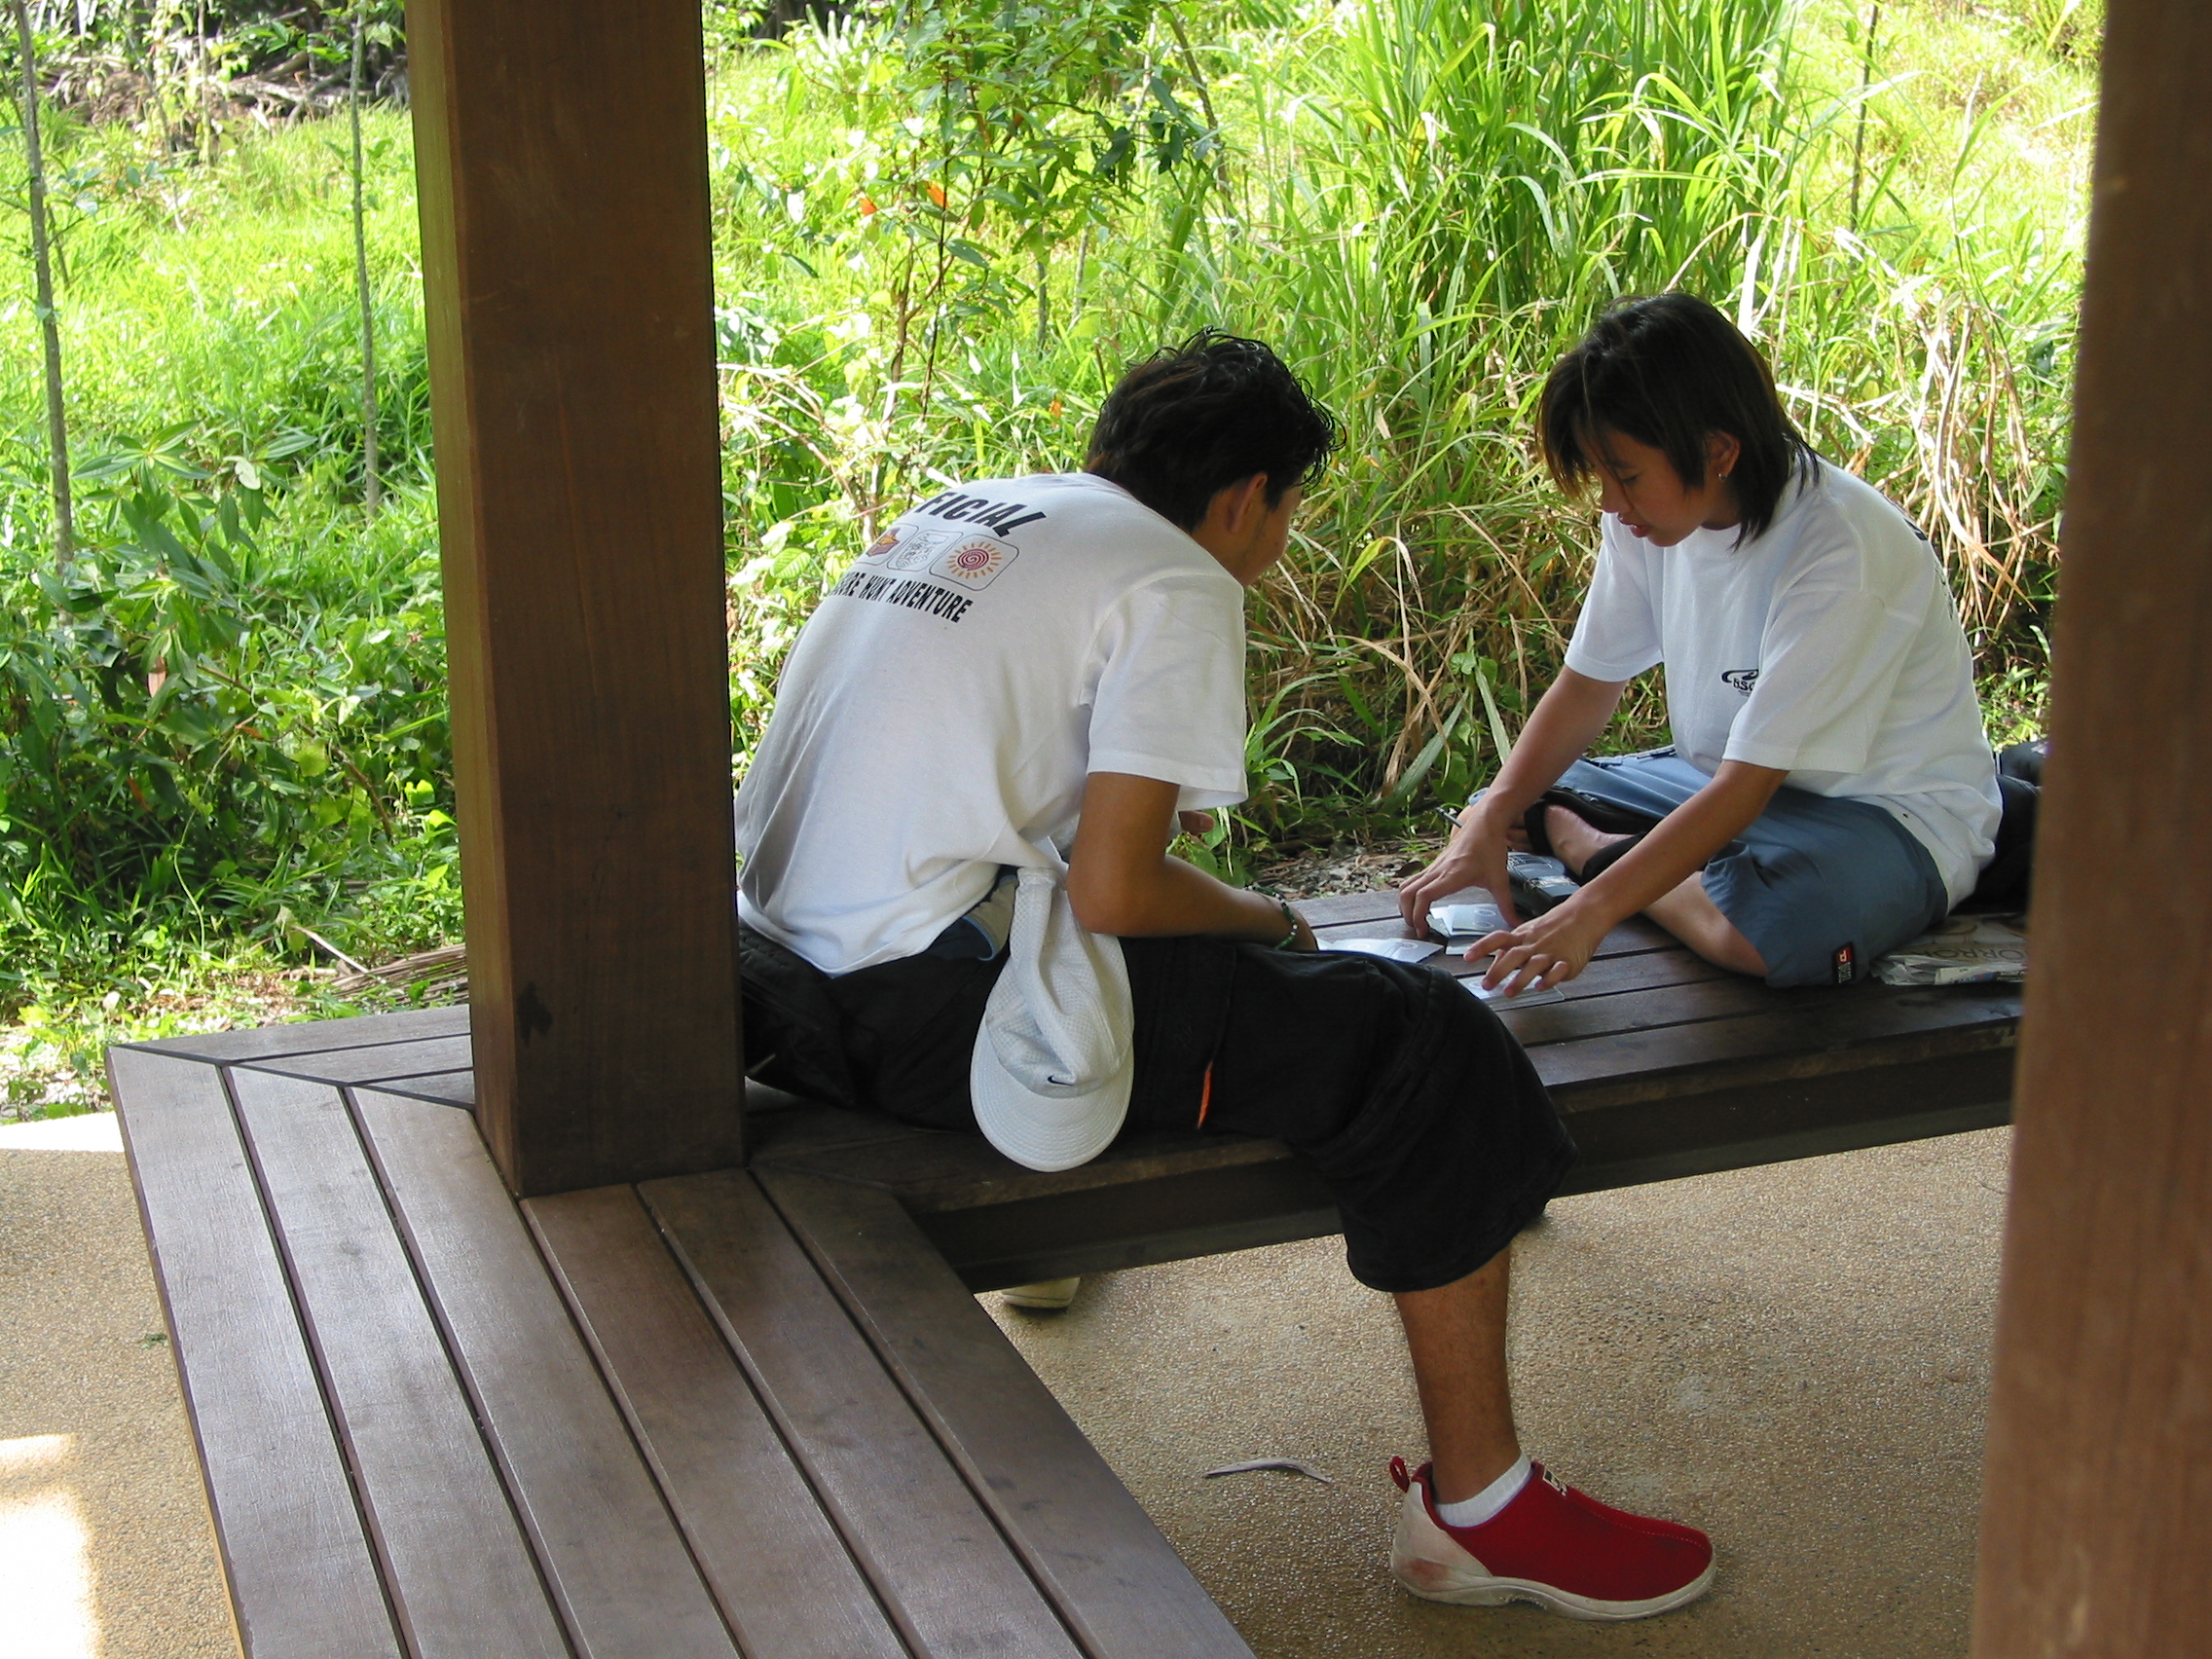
1543,952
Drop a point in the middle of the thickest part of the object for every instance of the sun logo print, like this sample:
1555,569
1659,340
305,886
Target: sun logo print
977,562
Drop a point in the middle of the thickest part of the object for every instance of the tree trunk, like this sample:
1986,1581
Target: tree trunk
372,489
50,324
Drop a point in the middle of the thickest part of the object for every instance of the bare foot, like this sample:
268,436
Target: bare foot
1576,840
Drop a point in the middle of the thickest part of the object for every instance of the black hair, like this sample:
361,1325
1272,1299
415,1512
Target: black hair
1192,419
1668,371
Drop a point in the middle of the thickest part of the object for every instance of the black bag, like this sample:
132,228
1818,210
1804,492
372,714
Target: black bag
2004,882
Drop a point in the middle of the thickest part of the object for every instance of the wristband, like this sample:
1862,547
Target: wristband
1290,916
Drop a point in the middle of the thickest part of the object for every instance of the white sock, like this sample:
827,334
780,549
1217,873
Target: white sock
1474,1511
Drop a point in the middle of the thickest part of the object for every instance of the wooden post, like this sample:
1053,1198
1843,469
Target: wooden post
2097,1517
561,152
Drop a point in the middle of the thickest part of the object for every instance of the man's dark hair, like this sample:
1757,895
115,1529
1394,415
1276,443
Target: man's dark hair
1192,419
1668,371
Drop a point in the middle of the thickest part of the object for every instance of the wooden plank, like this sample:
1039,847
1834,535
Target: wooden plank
1598,1014
568,305
934,1172
933,1552
313,1036
783,1576
302,1577
454,1564
1118,1583
1776,1119
385,1061
447,1089
1271,1199
604,1540
2097,1517
1840,1030
1337,908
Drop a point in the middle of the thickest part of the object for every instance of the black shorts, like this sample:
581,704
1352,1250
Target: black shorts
1399,1090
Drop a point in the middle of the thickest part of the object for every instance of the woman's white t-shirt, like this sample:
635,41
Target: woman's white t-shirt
1828,647
946,703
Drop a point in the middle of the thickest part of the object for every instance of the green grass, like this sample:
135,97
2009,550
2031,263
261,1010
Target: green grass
1420,201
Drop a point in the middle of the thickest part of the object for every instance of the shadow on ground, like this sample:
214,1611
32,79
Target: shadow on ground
1795,1358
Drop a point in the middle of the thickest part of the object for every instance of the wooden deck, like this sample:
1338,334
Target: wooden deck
720,1415
758,1412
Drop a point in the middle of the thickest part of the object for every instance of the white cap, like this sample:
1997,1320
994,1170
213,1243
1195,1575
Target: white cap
1054,1061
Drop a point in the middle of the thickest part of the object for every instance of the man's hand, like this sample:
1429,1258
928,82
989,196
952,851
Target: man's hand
1474,857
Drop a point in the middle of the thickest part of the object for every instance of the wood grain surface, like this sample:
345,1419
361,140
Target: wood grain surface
777,1565
296,1557
621,1574
2097,1522
455,1563
934,1552
1120,1586
569,306
383,1062
313,1036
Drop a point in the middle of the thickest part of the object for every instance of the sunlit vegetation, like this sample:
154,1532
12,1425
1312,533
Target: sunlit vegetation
939,233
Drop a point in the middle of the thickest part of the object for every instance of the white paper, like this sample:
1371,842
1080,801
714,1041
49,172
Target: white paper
1962,950
1501,998
1390,949
1470,922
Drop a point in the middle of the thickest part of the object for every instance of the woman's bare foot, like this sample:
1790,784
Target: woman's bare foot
1575,839
1688,912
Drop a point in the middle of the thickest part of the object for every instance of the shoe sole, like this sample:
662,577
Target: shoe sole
1498,1592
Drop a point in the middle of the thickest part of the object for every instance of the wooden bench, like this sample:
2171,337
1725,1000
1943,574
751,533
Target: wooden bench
758,1411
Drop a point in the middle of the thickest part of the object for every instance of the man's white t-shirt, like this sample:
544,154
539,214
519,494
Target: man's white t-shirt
1828,647
943,707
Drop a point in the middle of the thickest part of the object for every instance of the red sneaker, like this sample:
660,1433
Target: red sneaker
1552,1545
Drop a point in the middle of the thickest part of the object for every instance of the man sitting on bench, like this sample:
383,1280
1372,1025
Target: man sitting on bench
958,908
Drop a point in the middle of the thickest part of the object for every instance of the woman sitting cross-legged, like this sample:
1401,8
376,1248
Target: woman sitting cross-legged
1829,793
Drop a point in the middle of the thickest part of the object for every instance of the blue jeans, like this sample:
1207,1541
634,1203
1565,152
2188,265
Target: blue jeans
1820,884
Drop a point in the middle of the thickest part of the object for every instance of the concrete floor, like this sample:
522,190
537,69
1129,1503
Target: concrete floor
105,1549
1795,1358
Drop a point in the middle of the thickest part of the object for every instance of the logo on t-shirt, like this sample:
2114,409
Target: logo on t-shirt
1740,680
976,562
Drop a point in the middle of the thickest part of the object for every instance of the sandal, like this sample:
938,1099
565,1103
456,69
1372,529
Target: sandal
1605,857
1601,815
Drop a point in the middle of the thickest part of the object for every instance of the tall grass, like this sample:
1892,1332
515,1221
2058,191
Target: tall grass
1423,201
1420,201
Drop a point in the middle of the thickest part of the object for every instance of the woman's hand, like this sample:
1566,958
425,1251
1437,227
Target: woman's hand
1474,857
1545,951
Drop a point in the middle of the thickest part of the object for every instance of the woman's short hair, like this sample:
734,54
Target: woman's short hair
1192,419
1668,371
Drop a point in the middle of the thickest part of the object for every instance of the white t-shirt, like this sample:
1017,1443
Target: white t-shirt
944,705
1829,647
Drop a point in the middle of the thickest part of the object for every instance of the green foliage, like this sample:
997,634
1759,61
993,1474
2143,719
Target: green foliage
1422,202
189,722
939,231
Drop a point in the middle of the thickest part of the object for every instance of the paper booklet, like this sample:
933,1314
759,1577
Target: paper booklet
1963,950
1390,949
